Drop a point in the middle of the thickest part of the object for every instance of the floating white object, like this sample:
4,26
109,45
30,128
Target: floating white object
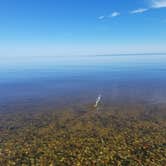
98,100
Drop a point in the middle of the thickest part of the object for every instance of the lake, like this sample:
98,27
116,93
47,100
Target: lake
49,82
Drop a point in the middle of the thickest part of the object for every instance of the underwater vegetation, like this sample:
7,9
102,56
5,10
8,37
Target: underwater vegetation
126,135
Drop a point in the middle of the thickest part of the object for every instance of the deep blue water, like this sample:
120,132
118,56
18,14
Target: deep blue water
34,81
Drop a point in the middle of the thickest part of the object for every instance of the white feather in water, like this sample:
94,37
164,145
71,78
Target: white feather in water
98,100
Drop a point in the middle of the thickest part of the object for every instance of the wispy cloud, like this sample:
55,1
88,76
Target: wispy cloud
154,4
158,4
140,10
114,14
101,17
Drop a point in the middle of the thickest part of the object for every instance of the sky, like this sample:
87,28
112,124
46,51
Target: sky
81,27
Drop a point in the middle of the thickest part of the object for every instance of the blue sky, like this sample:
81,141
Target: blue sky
73,27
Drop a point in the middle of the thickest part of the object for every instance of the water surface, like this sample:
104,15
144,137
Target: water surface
32,82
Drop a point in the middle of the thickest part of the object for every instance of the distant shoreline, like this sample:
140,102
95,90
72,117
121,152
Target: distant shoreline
130,54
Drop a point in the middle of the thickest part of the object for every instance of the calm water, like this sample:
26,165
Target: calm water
53,81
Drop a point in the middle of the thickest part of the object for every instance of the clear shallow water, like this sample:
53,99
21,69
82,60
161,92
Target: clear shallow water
51,81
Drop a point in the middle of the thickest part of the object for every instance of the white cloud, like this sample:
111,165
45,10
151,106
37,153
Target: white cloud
140,10
154,4
158,3
101,17
114,14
